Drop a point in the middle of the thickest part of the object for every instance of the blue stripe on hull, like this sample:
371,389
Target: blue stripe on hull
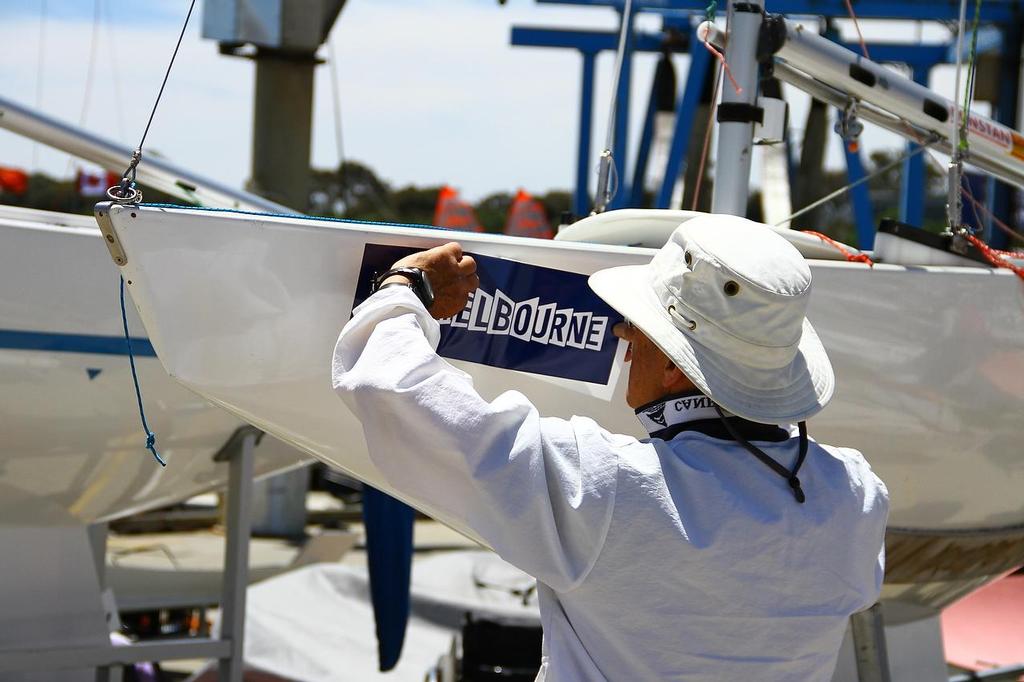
74,343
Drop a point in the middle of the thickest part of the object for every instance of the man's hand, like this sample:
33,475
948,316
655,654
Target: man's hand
452,276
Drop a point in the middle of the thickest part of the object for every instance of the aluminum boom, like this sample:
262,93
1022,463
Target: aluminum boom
152,171
893,124
829,71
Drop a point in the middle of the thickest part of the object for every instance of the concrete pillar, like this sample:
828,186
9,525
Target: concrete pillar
282,128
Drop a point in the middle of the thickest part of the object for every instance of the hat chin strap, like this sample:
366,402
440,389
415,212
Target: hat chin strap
790,476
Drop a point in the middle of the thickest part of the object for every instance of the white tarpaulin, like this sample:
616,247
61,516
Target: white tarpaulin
315,624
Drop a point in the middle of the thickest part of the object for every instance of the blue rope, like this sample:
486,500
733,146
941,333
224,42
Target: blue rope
150,436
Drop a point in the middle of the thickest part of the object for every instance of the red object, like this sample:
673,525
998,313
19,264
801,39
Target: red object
92,184
13,180
847,254
996,258
454,213
986,629
526,218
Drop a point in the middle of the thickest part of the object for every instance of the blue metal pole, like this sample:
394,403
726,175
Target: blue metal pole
912,184
1002,204
860,197
581,198
993,11
622,116
636,198
685,112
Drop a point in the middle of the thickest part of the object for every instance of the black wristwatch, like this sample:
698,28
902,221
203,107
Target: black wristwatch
418,282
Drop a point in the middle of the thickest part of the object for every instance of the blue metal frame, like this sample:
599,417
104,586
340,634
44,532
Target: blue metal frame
589,44
686,112
992,11
860,197
643,153
682,14
1002,203
912,184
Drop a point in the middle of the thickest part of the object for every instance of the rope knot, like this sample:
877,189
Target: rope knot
150,440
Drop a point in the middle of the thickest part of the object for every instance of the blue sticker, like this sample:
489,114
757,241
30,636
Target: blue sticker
523,317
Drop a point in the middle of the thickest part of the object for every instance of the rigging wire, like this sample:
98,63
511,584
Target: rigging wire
91,68
707,139
719,75
856,25
953,204
332,60
607,183
846,188
89,74
167,75
961,144
977,205
965,189
971,72
126,192
115,72
40,63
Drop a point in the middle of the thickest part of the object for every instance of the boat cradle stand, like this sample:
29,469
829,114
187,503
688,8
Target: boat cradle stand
870,651
227,647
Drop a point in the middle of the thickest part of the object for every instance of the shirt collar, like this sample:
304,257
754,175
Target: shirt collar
674,410
693,411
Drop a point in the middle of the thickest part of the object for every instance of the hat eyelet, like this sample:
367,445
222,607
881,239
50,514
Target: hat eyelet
691,324
731,288
688,258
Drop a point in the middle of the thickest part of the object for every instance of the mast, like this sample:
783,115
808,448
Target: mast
738,110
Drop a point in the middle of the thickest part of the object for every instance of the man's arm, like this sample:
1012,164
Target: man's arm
515,478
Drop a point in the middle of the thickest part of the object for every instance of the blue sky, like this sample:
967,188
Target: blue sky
431,92
134,12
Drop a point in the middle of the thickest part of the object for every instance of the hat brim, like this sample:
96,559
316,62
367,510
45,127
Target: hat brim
788,394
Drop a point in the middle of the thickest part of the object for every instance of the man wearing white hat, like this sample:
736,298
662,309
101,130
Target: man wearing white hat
726,546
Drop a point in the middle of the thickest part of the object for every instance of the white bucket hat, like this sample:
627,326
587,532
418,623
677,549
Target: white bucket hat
725,299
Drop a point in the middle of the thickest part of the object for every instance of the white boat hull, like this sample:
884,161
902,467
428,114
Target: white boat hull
245,309
72,447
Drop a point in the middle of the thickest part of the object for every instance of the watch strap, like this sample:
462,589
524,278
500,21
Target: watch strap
409,285
417,281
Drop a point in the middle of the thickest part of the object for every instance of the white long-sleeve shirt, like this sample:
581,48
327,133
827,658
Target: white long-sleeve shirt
678,560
